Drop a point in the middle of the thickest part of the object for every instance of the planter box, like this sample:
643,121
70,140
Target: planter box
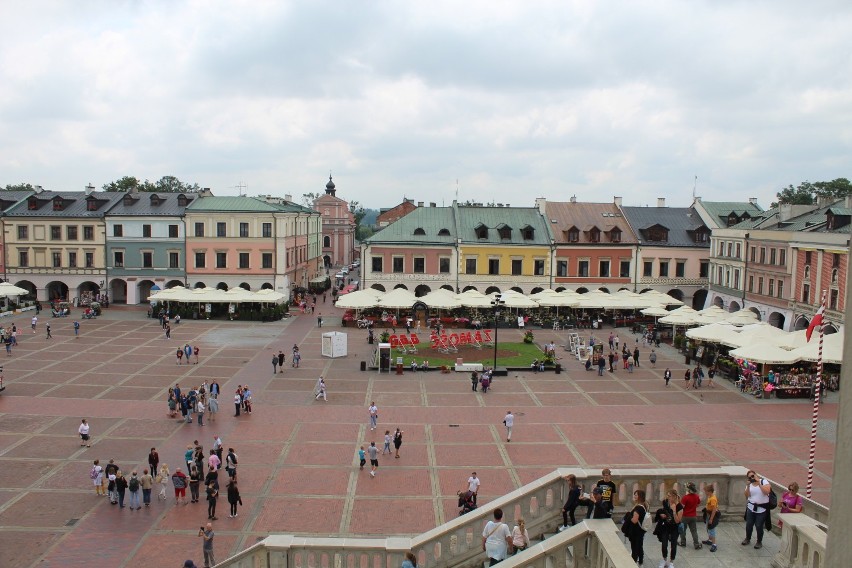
793,392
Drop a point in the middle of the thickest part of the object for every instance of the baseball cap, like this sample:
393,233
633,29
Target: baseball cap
597,490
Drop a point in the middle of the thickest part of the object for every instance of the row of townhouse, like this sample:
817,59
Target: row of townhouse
778,263
69,245
554,245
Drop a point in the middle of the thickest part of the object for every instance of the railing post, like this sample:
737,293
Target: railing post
788,556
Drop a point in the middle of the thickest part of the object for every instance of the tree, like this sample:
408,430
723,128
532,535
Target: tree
126,184
806,193
19,187
166,184
356,209
309,198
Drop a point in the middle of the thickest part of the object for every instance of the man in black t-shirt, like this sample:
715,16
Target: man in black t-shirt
607,495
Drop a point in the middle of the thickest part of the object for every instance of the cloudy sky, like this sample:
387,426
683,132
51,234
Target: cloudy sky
502,101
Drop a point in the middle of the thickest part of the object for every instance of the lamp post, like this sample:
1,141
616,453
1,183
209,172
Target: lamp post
497,305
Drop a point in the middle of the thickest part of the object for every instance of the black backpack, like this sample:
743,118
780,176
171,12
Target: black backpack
773,499
134,484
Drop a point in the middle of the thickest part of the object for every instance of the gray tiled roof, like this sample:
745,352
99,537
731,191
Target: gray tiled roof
515,217
74,204
143,204
680,221
430,219
10,198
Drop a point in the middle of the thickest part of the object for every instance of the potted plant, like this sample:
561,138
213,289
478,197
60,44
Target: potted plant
528,336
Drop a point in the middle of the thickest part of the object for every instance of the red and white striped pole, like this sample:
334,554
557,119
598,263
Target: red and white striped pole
817,390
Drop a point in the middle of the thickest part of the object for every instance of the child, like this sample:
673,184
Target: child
362,456
387,442
713,516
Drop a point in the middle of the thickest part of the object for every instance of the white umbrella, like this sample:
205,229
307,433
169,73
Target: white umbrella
832,351
268,295
756,333
712,333
359,300
514,299
441,299
661,298
766,353
7,289
742,317
474,299
656,311
398,298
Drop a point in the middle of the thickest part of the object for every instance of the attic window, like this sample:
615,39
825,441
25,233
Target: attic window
444,233
528,233
658,234
92,204
32,204
615,235
481,231
128,200
181,200
573,235
732,219
58,205
419,231
594,235
155,199
700,235
505,232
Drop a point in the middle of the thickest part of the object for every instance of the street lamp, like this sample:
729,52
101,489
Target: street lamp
497,305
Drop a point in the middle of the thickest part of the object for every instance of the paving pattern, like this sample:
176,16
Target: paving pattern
298,463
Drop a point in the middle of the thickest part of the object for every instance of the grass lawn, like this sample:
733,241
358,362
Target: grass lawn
508,355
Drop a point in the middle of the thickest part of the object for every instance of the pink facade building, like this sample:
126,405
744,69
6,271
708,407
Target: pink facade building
338,228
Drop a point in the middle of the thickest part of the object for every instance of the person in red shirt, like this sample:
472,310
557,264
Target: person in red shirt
690,503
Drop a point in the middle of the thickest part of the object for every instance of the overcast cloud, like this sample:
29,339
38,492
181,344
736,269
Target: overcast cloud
513,99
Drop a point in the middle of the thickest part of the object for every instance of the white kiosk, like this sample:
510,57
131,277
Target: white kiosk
334,344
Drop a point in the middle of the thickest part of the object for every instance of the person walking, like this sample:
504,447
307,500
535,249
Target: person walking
163,476
47,326
238,402
520,536
574,491
179,480
386,447
280,361
321,390
76,329
120,488
83,430
397,441
231,463
168,331
33,323
213,408
374,415
147,483
634,532
274,364
509,422
474,381
667,375
601,365
133,485
653,359
473,484
496,539
212,499
373,452
179,355
207,548
757,509
636,356
233,498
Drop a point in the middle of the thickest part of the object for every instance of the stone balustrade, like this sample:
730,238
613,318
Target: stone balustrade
803,542
591,544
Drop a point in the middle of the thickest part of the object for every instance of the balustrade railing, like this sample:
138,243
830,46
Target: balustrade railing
590,544
802,542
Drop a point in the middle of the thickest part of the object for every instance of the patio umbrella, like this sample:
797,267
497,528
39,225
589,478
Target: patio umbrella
661,298
268,295
832,351
755,333
712,333
514,299
441,299
766,353
742,317
7,289
359,300
398,298
656,311
474,299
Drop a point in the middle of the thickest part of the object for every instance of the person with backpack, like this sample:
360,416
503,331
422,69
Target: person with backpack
636,523
133,486
120,488
757,492
668,518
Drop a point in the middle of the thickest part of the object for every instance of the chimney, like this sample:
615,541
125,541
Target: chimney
541,203
432,204
89,189
573,199
38,189
288,197
848,202
617,200
661,202
752,200
785,211
420,204
499,205
205,192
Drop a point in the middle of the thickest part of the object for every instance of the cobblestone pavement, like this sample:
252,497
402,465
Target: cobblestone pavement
298,465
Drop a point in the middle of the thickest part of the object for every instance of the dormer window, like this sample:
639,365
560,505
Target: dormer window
700,235
155,199
732,219
92,204
615,235
573,235
528,233
594,235
444,233
659,234
58,204
481,231
505,232
32,204
128,200
419,232
181,199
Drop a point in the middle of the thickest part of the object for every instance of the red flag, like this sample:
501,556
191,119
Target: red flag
815,322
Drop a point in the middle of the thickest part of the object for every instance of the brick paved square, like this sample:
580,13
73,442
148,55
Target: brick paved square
668,397
43,447
263,426
530,474
20,388
132,393
17,473
601,384
443,434
41,509
315,480
321,432
300,515
774,429
564,399
615,399
495,481
613,454
393,482
388,516
396,398
153,380
556,455
592,432
21,549
740,453
717,430
469,399
122,450
313,453
76,391
651,430
499,399
799,449
163,550
70,475
541,386
676,453
467,455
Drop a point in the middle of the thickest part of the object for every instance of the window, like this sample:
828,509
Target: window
72,260
118,259
583,268
528,233
444,265
624,269
71,232
55,233
266,259
664,269
419,232
221,260
23,259
174,260
834,276
538,267
481,231
146,231
771,291
719,275
807,272
444,233
199,229
90,260
806,293
493,266
88,233
762,255
57,259
680,269
244,230
807,257
594,235
661,234
772,257
782,257
561,268
376,262
220,229
470,265
57,204
739,250
615,235
760,285
181,200
753,253
173,231
32,204
780,288
201,260
750,283
721,251
704,269
244,260
398,264
267,230
730,249
573,235
603,269
835,260
326,242
147,260
505,232
737,279
23,232
832,299
419,265
648,268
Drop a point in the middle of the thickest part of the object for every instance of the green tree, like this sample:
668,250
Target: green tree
806,193
126,184
19,187
358,210
166,184
309,198
838,188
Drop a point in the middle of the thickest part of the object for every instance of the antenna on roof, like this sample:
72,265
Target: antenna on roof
694,185
457,189
240,187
